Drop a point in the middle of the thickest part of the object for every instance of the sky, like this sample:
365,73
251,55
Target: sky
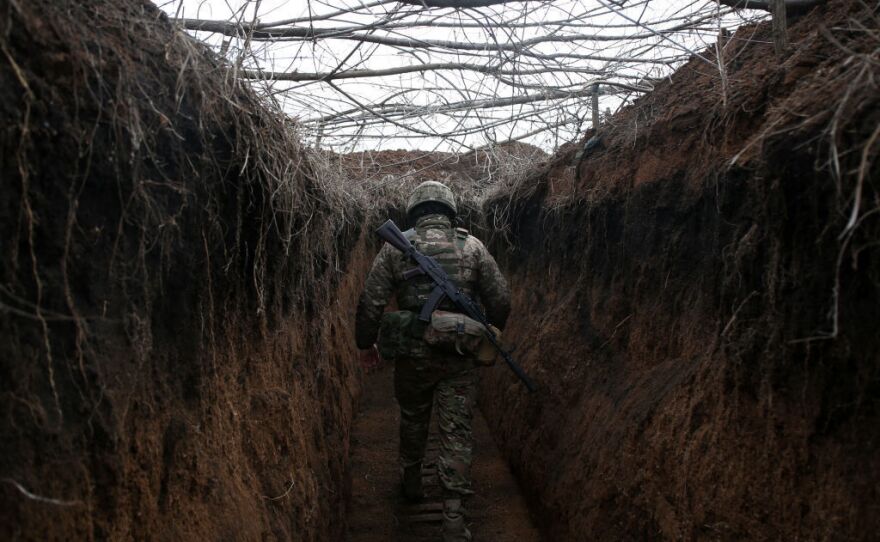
529,48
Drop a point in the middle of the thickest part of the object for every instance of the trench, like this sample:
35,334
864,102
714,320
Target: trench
496,512
179,276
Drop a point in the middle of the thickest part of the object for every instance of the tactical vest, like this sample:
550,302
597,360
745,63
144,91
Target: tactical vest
434,236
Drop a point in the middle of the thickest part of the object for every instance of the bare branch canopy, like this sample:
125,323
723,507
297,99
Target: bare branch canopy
462,73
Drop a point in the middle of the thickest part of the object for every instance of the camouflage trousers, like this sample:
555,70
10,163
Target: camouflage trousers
453,383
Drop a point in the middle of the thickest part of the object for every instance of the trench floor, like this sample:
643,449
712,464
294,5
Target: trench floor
497,512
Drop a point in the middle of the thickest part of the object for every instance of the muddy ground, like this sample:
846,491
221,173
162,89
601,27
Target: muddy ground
378,512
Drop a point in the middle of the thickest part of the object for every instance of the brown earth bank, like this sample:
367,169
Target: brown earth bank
699,303
471,175
175,291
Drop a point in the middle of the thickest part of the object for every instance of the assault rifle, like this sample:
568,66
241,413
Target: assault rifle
445,288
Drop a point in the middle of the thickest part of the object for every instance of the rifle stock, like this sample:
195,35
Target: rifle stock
393,236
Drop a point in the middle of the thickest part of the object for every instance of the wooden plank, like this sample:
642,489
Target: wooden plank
780,26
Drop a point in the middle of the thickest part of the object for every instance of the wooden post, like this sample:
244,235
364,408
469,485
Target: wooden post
596,107
780,40
723,35
722,64
319,136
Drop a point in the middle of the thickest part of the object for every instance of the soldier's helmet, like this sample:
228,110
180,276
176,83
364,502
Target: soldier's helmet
432,191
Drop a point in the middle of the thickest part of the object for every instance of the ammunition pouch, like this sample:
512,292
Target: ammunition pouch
455,333
399,334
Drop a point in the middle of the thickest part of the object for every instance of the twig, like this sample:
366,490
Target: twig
34,497
279,497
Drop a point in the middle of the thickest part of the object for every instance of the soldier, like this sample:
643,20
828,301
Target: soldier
422,373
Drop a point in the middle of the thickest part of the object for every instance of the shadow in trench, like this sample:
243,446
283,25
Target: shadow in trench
497,512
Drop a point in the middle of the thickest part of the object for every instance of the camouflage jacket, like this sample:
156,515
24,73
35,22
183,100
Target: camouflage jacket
464,258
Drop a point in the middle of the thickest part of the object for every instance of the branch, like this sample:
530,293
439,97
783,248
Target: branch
39,498
415,43
324,16
262,32
791,6
489,103
457,4
354,74
454,85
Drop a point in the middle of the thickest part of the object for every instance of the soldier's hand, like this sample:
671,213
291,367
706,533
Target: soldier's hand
370,359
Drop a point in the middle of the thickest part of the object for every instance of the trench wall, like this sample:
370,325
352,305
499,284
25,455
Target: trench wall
697,311
176,285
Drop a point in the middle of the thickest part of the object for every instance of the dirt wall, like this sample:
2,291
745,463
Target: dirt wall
698,302
174,309
473,175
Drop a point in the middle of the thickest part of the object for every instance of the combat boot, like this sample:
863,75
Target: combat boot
454,529
412,483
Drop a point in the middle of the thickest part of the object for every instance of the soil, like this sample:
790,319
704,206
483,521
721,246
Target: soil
462,170
175,352
394,174
696,310
378,512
